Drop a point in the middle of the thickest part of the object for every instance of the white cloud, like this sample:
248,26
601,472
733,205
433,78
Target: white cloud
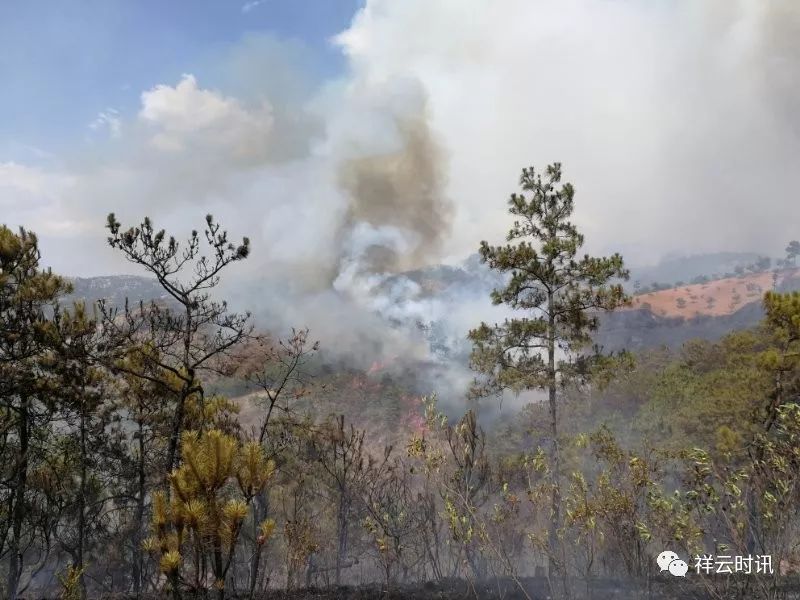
108,119
250,6
18,181
32,197
186,115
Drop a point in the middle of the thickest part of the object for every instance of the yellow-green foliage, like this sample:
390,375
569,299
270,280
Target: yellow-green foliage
71,583
300,544
210,496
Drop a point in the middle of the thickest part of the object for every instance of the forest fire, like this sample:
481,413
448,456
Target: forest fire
414,419
378,366
299,302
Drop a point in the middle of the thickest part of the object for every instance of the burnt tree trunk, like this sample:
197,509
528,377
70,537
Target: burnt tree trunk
18,513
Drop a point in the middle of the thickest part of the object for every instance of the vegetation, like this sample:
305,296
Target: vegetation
125,472
559,295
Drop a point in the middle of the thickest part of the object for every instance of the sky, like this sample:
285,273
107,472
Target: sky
64,62
324,129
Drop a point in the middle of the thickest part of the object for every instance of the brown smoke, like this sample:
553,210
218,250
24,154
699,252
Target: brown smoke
401,189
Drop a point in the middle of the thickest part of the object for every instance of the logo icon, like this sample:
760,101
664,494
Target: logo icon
678,567
669,561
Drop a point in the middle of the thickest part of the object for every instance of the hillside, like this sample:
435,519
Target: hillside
715,298
425,298
710,310
672,268
114,289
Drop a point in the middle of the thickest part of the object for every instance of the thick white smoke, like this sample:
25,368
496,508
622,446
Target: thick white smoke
676,121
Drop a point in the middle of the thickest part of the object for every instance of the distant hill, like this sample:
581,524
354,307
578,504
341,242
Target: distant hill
672,269
114,289
714,298
708,311
666,317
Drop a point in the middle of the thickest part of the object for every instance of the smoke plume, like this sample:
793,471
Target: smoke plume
676,121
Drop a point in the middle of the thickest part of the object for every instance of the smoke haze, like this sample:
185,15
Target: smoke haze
677,122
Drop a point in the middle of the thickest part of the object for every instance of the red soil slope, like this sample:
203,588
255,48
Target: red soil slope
715,298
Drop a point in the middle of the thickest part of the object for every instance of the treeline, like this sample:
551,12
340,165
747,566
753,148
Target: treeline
121,473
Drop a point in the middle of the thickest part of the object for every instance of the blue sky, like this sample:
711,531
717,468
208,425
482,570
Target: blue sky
271,115
62,62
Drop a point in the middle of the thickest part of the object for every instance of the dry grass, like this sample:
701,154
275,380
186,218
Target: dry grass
715,298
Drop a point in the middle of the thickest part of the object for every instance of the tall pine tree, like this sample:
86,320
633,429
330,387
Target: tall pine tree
558,294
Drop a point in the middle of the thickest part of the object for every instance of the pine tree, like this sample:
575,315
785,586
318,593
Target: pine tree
92,449
193,331
197,528
782,359
560,295
27,296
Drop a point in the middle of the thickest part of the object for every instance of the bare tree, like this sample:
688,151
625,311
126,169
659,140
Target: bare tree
192,331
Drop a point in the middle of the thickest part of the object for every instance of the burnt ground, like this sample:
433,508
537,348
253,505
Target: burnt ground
535,589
